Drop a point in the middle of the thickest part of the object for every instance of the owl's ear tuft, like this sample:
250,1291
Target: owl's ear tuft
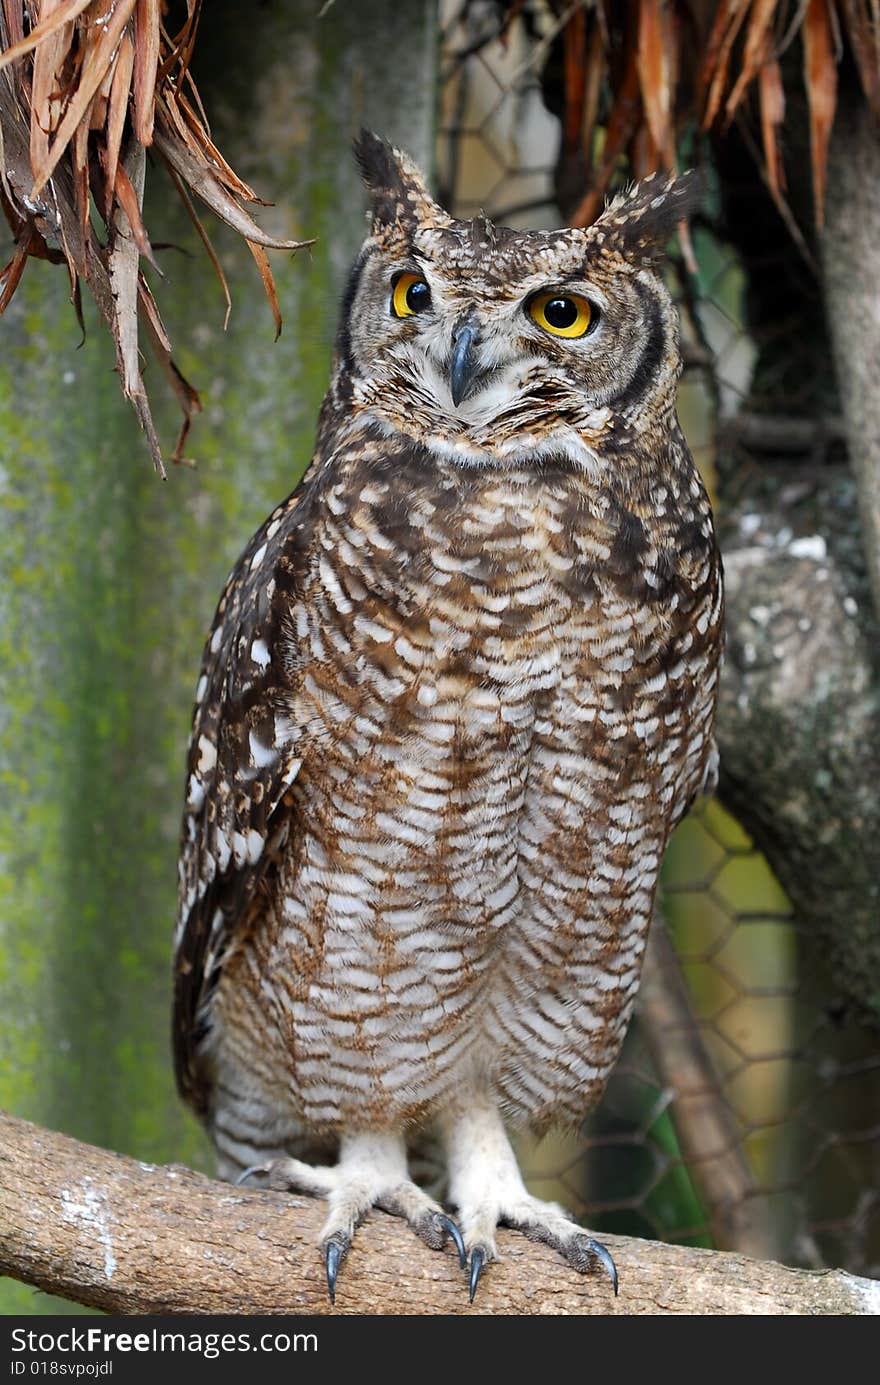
639,222
398,194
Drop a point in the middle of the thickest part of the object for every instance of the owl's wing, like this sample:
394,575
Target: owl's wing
244,756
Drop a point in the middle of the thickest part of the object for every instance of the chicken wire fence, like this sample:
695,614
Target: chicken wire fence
743,1111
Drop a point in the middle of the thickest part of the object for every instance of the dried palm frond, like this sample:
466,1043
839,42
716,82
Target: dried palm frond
636,74
86,86
768,32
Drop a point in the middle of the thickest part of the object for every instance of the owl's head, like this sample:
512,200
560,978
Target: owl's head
485,343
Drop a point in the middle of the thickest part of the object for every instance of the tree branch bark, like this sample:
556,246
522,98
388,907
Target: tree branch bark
799,714
129,1237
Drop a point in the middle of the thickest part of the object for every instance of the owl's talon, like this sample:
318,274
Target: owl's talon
582,1252
246,1173
606,1260
449,1225
478,1259
334,1254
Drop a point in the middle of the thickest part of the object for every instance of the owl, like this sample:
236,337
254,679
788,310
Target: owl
459,690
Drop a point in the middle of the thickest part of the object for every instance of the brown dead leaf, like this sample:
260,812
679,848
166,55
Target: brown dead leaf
148,307
757,50
13,13
573,46
623,121
117,111
200,179
146,49
124,279
93,72
45,81
593,75
655,58
711,54
131,205
863,31
66,11
713,79
772,99
820,76
10,276
205,239
187,396
83,94
122,263
262,260
219,166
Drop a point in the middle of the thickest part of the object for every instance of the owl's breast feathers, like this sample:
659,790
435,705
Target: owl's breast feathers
420,665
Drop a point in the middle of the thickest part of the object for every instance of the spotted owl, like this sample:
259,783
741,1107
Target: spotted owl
459,690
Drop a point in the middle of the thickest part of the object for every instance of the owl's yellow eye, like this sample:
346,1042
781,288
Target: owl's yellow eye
562,314
409,294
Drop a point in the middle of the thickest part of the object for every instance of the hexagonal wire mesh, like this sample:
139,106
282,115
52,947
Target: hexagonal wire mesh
740,1114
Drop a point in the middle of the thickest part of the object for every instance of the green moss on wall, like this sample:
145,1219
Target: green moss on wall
108,578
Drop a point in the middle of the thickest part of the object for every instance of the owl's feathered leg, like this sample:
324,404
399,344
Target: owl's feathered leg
486,1187
371,1171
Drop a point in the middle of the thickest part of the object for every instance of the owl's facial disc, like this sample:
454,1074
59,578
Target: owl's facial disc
515,345
485,342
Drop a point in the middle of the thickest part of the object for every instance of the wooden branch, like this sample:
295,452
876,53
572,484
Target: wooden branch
782,435
128,1237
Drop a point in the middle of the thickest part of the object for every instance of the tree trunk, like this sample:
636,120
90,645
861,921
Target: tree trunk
851,264
109,578
799,719
799,722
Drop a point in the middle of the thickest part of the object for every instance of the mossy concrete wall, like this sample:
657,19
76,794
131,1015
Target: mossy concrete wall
108,577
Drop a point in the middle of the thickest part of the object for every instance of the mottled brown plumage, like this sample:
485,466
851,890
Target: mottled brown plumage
459,690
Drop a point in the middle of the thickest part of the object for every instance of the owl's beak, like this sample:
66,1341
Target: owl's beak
464,366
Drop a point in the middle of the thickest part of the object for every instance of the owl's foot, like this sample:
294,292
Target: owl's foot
487,1189
540,1221
371,1172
